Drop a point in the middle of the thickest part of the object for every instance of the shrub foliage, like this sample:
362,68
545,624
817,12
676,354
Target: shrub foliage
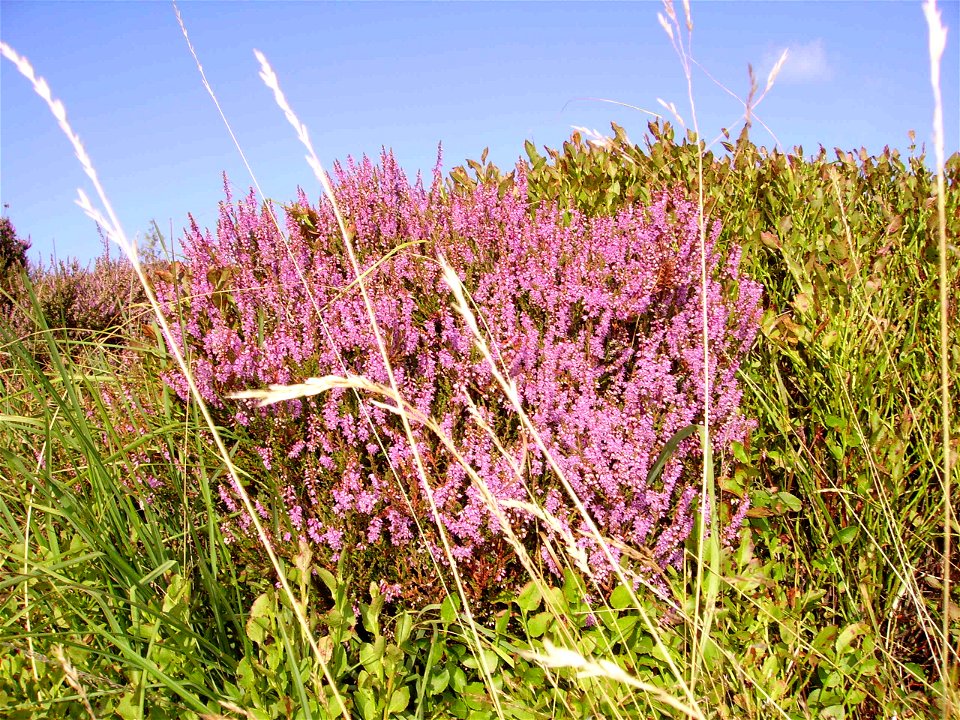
13,259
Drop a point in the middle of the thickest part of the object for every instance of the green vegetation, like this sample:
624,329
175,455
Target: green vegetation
121,594
127,598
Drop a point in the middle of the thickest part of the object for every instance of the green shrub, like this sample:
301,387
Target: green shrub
13,261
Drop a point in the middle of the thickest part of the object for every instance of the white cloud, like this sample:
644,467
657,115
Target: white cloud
806,63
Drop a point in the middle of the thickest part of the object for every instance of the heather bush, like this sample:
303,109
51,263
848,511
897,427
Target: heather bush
843,381
93,299
83,301
596,320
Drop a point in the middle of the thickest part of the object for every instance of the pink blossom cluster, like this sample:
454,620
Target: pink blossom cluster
597,320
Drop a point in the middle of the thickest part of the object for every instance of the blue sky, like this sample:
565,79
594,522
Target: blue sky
410,75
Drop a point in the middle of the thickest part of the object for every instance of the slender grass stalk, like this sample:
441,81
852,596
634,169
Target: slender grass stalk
706,584
27,526
749,105
937,42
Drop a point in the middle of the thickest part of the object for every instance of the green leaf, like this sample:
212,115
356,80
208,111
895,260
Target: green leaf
643,644
261,614
490,659
476,699
626,623
128,708
177,589
538,624
364,700
404,627
399,700
554,599
531,150
739,452
458,679
916,670
834,422
847,535
835,450
370,655
848,635
791,501
620,598
573,589
824,639
328,579
449,609
803,302
370,615
671,447
529,598
438,681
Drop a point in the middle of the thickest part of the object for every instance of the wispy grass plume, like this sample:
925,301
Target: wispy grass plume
937,43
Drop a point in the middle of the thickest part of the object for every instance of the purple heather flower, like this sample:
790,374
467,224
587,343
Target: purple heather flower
597,320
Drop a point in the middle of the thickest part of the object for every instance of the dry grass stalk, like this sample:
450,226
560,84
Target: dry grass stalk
557,657
73,679
937,42
269,78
